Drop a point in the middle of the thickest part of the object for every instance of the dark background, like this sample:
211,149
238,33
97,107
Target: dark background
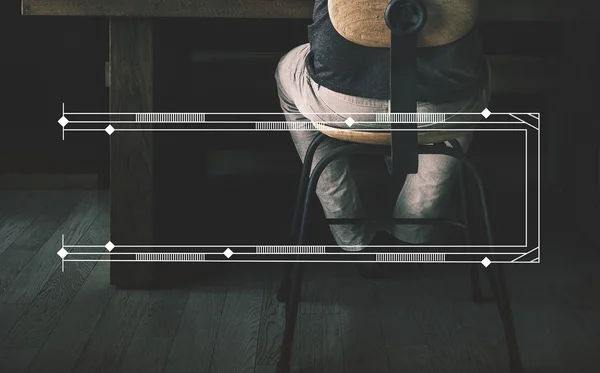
47,61
227,315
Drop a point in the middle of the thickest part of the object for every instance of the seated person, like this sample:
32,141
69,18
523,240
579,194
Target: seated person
330,77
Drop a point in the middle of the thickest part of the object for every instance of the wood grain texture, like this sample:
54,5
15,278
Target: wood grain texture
48,307
104,217
21,218
150,348
20,252
237,338
416,321
198,327
16,359
320,346
491,10
9,315
363,22
10,200
360,322
132,162
440,328
147,353
320,289
68,339
265,369
110,341
272,322
36,272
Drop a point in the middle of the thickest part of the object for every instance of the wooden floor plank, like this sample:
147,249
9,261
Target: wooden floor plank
265,369
114,332
405,320
9,315
319,289
580,357
198,329
45,311
272,321
479,331
22,217
147,354
422,322
68,339
36,273
237,337
16,359
104,216
319,344
431,324
556,308
164,312
18,254
10,201
156,332
360,322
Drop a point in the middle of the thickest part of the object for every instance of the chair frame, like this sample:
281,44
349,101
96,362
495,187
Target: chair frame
404,151
289,290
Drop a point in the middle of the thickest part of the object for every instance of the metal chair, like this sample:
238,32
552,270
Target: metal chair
405,19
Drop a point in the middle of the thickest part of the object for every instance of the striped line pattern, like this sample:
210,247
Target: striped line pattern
283,126
169,117
169,257
290,249
410,117
410,257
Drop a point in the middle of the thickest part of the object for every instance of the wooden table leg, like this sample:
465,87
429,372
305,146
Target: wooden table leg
131,153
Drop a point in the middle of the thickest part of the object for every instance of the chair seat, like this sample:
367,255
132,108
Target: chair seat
385,137
362,21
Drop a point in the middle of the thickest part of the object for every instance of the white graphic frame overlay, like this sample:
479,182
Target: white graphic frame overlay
529,252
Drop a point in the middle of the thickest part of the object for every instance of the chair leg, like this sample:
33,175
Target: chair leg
498,285
291,316
476,293
296,273
283,292
499,288
304,178
318,170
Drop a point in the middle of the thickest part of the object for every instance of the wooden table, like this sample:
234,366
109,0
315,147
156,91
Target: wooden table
131,87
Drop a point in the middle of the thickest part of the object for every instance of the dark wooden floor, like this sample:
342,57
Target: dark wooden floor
229,321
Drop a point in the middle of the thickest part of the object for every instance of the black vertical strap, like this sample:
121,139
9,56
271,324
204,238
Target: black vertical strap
404,18
403,99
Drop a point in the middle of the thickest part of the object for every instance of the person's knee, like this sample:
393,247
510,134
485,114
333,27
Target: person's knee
282,66
289,61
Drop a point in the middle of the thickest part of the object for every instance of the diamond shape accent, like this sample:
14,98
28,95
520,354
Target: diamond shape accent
63,121
109,129
109,246
486,113
62,253
228,253
350,122
486,262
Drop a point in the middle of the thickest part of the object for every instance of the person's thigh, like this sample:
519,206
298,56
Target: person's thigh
336,188
304,101
297,91
427,193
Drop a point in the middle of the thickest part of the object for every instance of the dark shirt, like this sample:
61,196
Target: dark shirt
444,73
